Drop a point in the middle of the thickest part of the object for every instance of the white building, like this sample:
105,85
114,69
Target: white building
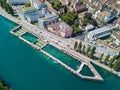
100,33
116,36
37,3
105,16
18,2
89,27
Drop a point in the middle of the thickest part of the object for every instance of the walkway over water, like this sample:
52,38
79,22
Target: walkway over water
42,43
97,77
29,39
80,68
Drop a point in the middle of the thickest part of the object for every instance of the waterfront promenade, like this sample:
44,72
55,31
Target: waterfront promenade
95,77
50,37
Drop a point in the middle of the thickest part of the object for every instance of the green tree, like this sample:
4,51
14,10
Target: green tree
28,4
112,61
88,49
93,22
69,18
10,10
83,49
75,45
7,7
76,29
116,66
106,59
79,46
3,87
84,21
2,3
56,5
92,52
81,1
101,57
88,16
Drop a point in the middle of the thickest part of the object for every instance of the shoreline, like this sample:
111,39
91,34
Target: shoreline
96,76
95,62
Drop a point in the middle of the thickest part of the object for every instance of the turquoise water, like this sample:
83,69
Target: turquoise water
31,38
70,61
24,68
86,71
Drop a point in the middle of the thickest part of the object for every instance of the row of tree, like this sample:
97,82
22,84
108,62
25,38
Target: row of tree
88,51
113,62
7,7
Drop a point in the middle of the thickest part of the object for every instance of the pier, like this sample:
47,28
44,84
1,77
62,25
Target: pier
41,43
19,32
96,76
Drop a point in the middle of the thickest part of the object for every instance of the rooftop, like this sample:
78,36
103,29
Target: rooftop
100,30
37,1
103,14
117,35
23,9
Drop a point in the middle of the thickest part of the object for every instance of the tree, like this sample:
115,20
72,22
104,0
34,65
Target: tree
75,45
92,52
65,8
76,29
117,65
28,4
88,16
93,22
88,49
81,2
7,7
69,18
56,5
2,3
10,9
112,61
100,58
83,49
79,46
106,59
84,21
3,87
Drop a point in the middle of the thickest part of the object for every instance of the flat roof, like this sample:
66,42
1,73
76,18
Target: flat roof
100,30
117,35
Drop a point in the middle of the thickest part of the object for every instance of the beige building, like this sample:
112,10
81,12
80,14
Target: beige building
61,28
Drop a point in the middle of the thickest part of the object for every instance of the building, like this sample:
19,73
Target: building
80,8
77,6
38,3
105,16
89,27
118,23
100,33
65,2
116,36
18,2
32,14
48,19
61,28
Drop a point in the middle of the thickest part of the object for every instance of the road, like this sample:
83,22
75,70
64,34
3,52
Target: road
65,42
